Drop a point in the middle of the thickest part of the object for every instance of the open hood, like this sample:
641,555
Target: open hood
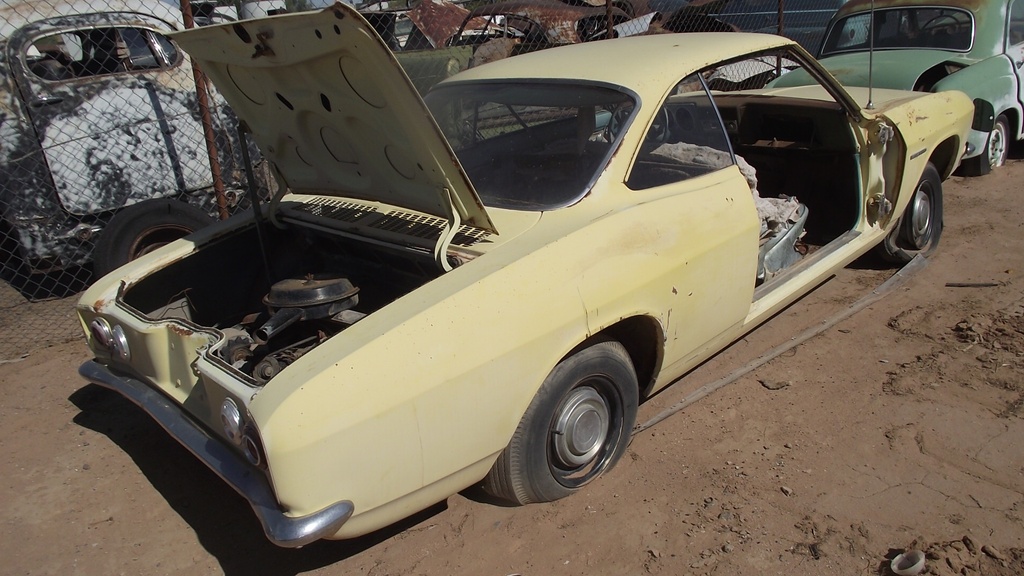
334,113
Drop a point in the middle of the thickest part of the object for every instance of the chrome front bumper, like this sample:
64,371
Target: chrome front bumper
287,531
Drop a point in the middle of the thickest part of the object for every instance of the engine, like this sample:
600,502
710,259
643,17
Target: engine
300,314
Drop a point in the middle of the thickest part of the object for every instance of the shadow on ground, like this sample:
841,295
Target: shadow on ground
224,523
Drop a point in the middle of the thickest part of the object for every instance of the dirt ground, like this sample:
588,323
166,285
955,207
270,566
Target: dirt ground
902,426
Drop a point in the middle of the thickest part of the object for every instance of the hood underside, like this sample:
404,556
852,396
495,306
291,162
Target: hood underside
332,110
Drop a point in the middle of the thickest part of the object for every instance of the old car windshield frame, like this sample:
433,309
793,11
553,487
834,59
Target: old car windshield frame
903,28
532,145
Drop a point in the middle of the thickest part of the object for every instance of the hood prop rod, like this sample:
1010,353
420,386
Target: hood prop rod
254,199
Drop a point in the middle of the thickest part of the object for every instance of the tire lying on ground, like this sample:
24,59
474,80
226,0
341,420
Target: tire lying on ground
141,228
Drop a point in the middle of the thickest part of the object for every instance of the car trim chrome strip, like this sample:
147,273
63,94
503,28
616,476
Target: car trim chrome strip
283,530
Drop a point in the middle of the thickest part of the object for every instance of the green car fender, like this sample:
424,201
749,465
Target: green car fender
992,80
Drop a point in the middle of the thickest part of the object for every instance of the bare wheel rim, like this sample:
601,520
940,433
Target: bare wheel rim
918,231
156,237
997,146
585,429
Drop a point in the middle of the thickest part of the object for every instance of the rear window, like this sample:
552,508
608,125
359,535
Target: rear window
902,28
531,145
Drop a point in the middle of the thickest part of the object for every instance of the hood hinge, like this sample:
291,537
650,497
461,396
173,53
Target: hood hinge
452,225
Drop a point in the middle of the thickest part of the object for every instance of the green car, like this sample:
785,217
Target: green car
929,45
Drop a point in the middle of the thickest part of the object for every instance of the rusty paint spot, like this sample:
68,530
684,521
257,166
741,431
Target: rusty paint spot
262,47
181,330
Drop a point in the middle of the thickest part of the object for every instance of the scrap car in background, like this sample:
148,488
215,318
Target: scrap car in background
103,154
440,38
974,47
483,286
801,20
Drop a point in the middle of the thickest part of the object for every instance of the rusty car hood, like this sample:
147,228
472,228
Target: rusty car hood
334,113
439,20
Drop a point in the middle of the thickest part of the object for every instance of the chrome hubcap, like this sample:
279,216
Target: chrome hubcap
997,147
920,218
581,427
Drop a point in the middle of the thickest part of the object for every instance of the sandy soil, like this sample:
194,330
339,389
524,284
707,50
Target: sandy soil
899,427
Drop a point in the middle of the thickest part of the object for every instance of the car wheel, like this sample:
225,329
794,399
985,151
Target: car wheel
141,228
994,154
919,228
575,429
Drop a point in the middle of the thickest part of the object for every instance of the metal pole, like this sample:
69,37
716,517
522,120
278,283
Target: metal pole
871,56
782,28
204,109
608,19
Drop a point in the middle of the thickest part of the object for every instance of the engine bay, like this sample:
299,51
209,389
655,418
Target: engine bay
273,308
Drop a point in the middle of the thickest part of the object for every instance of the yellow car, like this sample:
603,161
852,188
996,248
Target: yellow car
483,285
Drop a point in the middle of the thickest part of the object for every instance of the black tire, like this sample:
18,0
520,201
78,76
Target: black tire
626,7
141,228
592,395
920,226
994,154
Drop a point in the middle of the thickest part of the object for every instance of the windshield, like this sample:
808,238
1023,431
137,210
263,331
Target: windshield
530,145
901,28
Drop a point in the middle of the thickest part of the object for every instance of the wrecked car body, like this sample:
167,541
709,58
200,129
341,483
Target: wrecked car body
98,112
445,38
974,47
481,286
801,20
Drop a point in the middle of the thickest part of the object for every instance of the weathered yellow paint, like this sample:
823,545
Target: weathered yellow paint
415,401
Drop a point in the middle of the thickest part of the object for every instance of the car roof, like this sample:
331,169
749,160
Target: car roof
639,63
972,5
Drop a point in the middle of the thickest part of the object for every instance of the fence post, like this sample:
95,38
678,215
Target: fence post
204,110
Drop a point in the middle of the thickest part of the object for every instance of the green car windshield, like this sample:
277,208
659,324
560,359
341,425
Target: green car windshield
530,145
902,28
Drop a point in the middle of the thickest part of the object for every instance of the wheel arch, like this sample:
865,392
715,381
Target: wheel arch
1012,115
642,337
944,156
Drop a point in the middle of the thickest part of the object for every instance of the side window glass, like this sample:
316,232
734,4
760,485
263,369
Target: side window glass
170,51
94,52
1017,23
51,57
140,55
105,52
685,140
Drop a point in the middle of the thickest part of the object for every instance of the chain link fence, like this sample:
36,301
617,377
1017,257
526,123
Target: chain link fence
106,151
